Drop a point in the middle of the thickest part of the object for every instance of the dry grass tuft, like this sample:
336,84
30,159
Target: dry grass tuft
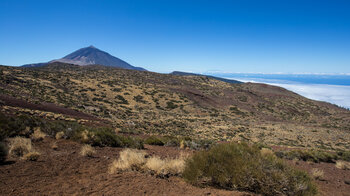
166,166
87,151
174,166
155,164
32,156
20,146
59,135
318,174
85,136
129,159
342,165
38,135
266,152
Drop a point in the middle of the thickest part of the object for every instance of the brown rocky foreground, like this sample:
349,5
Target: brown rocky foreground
65,172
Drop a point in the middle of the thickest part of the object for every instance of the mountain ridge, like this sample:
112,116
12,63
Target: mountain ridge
180,73
90,56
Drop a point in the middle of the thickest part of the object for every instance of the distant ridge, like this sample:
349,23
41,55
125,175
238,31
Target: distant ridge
91,56
179,73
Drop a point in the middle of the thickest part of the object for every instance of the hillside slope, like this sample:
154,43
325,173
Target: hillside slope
198,106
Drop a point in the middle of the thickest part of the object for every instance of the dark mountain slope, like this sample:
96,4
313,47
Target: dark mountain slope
91,56
179,73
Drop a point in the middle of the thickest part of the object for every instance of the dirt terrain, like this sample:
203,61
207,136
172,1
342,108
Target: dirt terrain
65,172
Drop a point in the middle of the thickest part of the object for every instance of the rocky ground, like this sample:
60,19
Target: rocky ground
65,172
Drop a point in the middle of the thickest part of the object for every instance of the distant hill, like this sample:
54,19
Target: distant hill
179,73
91,56
169,104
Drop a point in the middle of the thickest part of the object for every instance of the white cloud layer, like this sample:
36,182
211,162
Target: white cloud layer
336,94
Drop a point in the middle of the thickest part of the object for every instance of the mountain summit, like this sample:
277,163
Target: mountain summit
91,56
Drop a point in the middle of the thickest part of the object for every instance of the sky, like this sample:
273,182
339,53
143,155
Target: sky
270,36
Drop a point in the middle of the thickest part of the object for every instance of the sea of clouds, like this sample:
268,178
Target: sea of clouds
336,94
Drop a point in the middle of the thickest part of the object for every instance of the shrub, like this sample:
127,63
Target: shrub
318,174
342,165
267,152
37,135
87,151
344,155
165,167
242,167
154,140
32,156
139,98
309,155
198,144
171,105
59,135
3,152
129,159
21,125
106,137
20,146
122,100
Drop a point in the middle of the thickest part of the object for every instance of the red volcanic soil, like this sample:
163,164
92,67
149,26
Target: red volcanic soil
65,172
334,182
48,107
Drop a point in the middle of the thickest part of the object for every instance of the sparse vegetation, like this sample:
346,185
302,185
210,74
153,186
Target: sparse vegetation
131,159
183,142
242,167
59,135
167,166
154,140
309,155
342,165
171,105
176,99
32,156
318,174
87,151
20,146
106,137
37,135
344,155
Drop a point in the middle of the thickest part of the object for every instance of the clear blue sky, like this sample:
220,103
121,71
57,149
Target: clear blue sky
165,35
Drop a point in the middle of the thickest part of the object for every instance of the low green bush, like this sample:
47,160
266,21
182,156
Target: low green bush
106,137
309,155
186,141
344,155
11,126
242,167
155,140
